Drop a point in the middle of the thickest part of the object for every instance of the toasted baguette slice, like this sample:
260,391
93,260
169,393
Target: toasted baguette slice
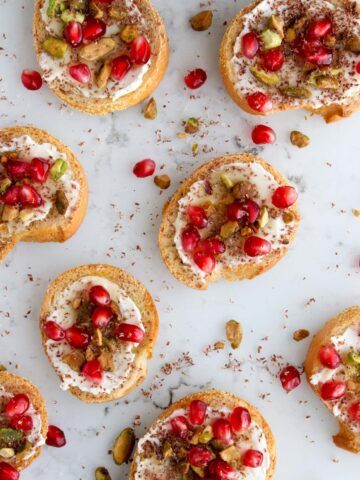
214,399
134,291
348,436
100,105
54,227
183,272
13,385
334,106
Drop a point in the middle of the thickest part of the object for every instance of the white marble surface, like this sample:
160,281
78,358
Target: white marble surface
121,228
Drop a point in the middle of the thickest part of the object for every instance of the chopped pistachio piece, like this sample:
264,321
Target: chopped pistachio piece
263,218
299,23
352,358
300,334
98,336
129,33
54,8
200,472
231,454
10,438
96,50
55,47
290,35
327,82
123,446
7,452
26,214
95,10
234,333
104,74
296,92
10,213
246,231
116,13
71,16
270,39
227,182
228,229
288,217
353,44
74,360
106,361
195,148
58,169
192,125
269,78
61,202
299,139
206,435
276,23
167,451
101,473
202,21
162,181
4,184
150,112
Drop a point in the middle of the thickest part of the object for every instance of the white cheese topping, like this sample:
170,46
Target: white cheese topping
256,20
56,71
27,148
265,183
254,438
63,313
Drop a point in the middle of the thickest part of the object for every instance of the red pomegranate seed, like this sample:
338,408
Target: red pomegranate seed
11,196
197,412
39,170
190,237
28,196
77,337
256,246
55,437
314,52
130,333
211,246
99,295
329,357
17,169
252,458
93,29
222,430
54,331
358,67
333,390
120,67
7,472
24,423
199,457
289,378
101,317
284,197
197,216
319,28
80,72
92,371
235,211
205,262
221,470
144,168
240,419
249,45
18,405
262,134
31,79
252,209
179,426
273,59
195,79
259,102
140,50
73,33
354,411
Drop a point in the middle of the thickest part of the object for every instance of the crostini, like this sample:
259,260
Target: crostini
332,368
23,425
234,217
100,56
43,189
210,434
279,55
99,326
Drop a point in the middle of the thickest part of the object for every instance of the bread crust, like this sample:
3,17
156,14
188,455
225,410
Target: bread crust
167,246
43,230
331,113
216,398
141,297
15,384
345,438
152,77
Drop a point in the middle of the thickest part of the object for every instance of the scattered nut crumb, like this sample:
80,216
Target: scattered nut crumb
300,334
299,139
234,333
162,181
150,112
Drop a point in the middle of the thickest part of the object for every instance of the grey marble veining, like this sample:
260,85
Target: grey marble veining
121,228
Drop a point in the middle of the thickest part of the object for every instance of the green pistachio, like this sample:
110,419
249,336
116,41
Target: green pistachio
58,169
102,473
270,39
71,16
123,446
269,78
352,358
55,47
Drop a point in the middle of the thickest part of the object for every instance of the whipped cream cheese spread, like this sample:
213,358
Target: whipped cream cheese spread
56,71
348,341
27,149
345,24
276,230
150,468
63,313
34,436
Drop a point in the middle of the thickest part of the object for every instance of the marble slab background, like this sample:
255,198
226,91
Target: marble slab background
318,278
